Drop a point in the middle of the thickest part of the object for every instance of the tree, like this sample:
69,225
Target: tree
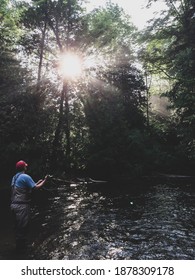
69,28
114,112
23,113
170,51
62,22
176,47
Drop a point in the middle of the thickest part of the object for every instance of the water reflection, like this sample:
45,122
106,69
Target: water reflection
156,222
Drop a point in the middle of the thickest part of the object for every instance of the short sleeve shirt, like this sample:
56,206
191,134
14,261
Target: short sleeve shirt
21,180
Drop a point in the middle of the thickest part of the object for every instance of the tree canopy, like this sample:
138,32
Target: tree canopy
96,122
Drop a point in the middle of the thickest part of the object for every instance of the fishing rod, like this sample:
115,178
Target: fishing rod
77,181
55,180
51,180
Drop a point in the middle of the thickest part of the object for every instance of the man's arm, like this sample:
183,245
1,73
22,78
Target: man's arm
40,183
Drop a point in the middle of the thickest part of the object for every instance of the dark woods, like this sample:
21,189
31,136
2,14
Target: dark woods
105,123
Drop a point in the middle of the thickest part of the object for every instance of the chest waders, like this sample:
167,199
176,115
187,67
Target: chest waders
20,208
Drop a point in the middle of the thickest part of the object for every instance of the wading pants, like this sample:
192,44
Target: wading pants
21,216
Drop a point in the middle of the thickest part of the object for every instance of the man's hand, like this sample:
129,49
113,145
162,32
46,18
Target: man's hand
48,176
41,182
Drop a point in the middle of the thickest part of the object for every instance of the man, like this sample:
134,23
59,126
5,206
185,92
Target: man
22,186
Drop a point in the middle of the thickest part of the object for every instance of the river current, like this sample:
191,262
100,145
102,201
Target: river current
140,222
107,221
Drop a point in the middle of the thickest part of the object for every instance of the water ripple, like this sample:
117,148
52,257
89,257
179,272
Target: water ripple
157,223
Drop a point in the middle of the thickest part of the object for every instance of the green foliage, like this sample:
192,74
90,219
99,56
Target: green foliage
9,30
170,51
98,122
114,116
111,26
22,119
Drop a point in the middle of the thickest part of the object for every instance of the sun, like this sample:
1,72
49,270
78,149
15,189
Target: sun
70,65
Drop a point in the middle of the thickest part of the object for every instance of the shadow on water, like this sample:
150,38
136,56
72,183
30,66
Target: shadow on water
104,221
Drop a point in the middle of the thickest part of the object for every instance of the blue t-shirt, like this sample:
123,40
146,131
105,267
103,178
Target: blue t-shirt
23,180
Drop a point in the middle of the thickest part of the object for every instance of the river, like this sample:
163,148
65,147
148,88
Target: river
136,221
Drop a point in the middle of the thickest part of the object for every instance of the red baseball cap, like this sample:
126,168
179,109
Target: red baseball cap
21,164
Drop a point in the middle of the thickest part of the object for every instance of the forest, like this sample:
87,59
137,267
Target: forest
87,94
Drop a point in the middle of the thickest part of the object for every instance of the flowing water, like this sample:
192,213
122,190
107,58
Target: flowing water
155,221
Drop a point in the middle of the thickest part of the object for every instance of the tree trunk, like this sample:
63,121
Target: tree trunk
67,128
57,142
41,54
147,99
63,126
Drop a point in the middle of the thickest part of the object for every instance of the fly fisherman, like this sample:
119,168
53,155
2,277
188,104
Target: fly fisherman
22,186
